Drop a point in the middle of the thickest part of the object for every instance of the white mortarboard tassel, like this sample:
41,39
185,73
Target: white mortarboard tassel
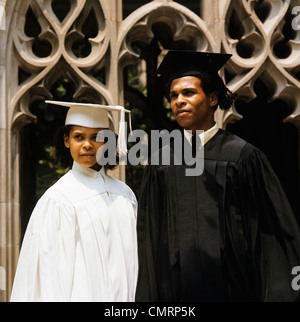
96,116
2,16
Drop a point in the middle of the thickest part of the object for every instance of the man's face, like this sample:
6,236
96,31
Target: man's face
192,108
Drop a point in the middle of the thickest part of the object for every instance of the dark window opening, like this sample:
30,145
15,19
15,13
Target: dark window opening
61,8
263,126
39,170
129,6
193,5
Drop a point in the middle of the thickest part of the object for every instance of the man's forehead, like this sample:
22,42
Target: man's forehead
186,82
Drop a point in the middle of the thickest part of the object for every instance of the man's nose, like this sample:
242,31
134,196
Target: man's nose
180,99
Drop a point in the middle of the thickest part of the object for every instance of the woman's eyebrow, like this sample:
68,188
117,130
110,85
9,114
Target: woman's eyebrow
95,133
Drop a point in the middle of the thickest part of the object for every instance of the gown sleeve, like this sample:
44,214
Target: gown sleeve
46,262
273,233
147,232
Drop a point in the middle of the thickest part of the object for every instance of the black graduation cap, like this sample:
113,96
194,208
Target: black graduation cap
180,63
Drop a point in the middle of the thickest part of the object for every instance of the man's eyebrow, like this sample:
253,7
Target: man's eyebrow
189,89
184,89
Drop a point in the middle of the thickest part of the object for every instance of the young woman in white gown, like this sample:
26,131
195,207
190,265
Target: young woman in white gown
80,243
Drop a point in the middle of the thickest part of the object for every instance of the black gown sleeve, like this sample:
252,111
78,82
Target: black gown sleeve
271,227
148,234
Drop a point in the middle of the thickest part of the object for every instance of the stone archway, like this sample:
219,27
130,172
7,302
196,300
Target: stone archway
45,44
265,51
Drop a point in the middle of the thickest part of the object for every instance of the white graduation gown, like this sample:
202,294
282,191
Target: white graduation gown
80,243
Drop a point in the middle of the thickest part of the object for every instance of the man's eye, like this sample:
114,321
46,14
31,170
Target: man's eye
189,93
78,136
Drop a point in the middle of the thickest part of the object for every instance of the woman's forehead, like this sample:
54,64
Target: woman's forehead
84,129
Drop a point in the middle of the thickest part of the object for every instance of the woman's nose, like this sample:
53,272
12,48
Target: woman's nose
87,144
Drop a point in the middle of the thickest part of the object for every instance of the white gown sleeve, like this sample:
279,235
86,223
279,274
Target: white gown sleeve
46,263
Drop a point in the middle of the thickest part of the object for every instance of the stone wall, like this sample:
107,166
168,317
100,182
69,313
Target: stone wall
37,41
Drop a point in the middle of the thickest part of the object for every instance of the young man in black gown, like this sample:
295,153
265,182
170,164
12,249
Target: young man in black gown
228,234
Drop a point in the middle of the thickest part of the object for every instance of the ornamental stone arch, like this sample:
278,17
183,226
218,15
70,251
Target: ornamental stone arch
261,38
264,71
144,38
89,47
44,43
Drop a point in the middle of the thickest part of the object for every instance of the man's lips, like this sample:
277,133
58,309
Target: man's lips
182,112
87,155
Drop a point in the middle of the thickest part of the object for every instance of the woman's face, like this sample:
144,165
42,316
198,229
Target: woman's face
83,145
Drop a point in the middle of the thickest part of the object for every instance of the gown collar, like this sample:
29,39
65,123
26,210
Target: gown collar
87,171
204,136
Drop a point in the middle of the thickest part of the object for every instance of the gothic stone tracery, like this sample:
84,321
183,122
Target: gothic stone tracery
88,45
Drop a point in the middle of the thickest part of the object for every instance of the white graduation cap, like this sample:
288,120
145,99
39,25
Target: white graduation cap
96,116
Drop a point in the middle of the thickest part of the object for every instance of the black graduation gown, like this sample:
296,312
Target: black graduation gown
226,235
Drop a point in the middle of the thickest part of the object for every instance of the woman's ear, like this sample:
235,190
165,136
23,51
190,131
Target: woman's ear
213,99
66,141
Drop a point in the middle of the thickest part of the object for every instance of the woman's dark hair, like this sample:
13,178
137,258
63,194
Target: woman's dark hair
63,155
212,82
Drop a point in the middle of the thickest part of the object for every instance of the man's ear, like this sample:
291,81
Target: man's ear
213,99
66,141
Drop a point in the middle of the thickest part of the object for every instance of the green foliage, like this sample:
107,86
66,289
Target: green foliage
48,171
62,88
